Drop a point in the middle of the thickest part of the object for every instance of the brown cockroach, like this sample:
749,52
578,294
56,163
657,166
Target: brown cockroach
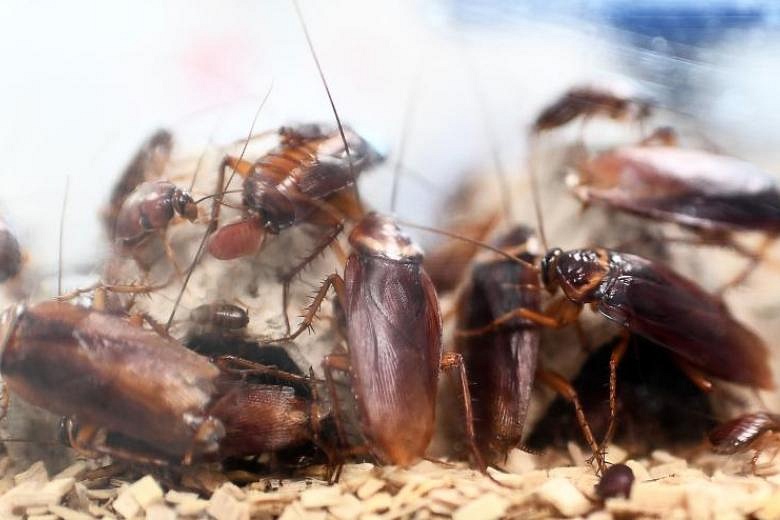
711,194
652,301
117,379
393,332
757,431
147,164
10,254
147,212
220,316
587,102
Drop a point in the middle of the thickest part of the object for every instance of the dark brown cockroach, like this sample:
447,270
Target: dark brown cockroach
587,102
118,380
393,329
714,195
652,301
616,481
10,254
757,431
147,164
220,316
147,212
502,363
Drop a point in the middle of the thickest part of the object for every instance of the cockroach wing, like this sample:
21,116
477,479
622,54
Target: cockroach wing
654,302
737,434
326,177
394,333
689,187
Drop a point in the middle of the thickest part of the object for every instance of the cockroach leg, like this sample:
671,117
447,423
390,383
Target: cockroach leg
330,363
696,376
755,259
308,317
453,360
169,253
289,276
560,385
560,313
239,365
614,360
582,337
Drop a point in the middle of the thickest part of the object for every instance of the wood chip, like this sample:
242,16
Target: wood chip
35,473
224,505
348,508
69,514
564,496
126,505
320,497
378,503
146,491
75,470
160,512
369,487
177,497
192,507
487,507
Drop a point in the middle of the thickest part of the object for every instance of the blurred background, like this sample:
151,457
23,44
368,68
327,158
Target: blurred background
85,82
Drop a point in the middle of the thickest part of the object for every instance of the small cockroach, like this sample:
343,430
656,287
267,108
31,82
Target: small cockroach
757,431
10,254
220,316
147,164
616,481
393,329
587,102
170,404
147,212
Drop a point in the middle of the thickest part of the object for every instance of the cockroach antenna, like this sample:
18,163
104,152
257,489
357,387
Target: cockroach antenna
62,232
531,161
405,129
218,200
324,84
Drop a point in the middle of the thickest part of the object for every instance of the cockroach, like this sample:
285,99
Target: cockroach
147,212
587,102
118,380
652,301
501,364
10,254
393,331
757,431
308,171
616,481
711,194
147,164
220,316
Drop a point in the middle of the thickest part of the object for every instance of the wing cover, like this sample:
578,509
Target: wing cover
653,301
394,332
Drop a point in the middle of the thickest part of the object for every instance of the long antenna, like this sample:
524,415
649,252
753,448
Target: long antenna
325,84
62,232
470,241
405,130
212,224
492,138
532,148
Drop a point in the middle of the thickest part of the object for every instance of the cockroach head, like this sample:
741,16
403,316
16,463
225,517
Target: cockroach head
379,235
548,265
184,205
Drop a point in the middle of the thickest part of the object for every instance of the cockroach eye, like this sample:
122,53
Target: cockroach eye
548,266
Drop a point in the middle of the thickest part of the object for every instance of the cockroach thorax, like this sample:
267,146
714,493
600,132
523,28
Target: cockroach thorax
379,235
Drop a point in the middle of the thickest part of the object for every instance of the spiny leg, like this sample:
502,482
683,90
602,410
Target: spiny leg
618,352
329,364
561,313
453,360
561,386
751,266
290,275
341,291
228,362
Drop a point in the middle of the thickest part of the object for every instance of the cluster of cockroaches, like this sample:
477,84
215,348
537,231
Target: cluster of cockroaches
138,394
